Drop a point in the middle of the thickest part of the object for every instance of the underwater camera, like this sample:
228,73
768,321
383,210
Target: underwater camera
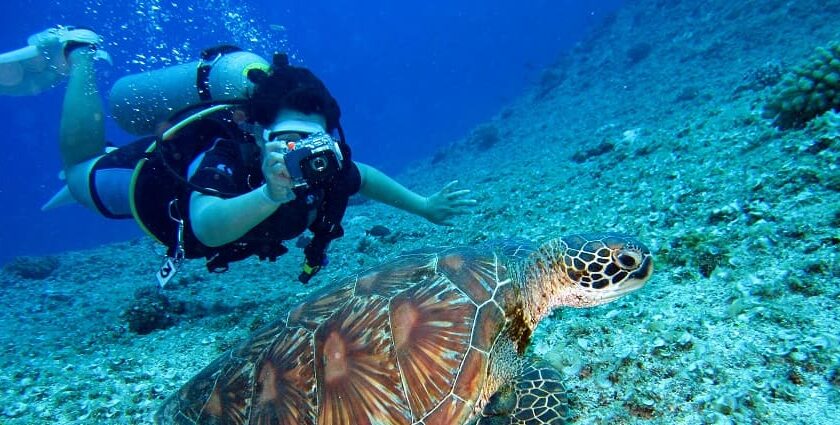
313,161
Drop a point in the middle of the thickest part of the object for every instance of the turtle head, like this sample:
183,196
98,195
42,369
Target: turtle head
584,270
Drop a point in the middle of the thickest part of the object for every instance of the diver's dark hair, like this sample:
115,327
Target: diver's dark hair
289,87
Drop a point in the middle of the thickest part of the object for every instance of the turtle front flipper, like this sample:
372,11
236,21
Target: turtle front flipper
536,396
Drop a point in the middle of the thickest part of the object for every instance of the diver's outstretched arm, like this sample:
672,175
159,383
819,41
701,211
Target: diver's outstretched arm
82,132
439,208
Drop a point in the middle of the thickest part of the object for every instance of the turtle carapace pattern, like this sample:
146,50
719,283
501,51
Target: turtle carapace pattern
430,337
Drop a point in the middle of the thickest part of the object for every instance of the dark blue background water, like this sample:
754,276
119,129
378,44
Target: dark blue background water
410,77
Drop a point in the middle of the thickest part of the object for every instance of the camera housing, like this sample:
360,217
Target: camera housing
313,161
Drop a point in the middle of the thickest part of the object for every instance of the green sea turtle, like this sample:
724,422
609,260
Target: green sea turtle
430,337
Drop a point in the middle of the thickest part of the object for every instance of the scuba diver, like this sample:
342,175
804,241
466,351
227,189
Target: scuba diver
254,156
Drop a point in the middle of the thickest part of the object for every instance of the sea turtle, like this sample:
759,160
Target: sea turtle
429,337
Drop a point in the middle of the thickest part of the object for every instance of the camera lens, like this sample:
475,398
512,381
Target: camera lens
319,163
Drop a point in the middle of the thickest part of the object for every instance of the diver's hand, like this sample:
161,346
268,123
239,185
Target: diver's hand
443,205
277,179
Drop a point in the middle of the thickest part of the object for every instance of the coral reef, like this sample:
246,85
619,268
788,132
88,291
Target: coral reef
34,268
151,310
810,89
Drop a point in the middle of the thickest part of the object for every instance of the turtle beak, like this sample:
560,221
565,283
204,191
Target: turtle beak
631,283
638,278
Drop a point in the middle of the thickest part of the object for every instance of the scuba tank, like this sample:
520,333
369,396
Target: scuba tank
140,102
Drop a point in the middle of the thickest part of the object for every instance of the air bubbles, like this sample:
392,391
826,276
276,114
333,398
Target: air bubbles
158,33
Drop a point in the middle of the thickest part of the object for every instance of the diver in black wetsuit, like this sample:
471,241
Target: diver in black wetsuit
238,197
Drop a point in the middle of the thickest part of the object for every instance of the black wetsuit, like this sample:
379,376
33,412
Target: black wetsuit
223,168
231,165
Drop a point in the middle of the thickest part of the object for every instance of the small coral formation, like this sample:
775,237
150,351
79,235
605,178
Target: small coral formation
766,75
586,155
151,310
484,137
703,251
808,91
549,80
688,94
378,231
439,156
638,52
34,268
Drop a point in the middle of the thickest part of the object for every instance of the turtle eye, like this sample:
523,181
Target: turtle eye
628,260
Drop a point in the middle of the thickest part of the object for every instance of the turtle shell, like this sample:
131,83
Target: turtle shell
406,342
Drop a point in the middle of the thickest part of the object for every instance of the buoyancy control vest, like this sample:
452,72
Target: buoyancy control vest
161,192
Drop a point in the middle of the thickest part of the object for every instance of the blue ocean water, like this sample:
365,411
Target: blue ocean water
410,78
